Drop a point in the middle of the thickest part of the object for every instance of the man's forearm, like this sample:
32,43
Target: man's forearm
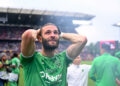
73,37
78,43
28,42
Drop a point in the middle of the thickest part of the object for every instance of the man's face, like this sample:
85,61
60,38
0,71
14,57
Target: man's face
77,60
4,57
50,37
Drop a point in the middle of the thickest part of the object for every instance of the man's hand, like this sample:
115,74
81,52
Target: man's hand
38,33
118,81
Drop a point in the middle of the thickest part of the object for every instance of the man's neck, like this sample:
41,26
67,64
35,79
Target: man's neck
47,53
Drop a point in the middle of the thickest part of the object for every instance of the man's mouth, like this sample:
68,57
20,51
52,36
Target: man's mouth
52,40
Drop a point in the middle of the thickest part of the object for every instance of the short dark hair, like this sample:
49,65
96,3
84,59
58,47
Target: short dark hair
14,55
40,33
105,46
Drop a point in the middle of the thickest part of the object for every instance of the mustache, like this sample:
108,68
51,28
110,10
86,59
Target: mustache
52,40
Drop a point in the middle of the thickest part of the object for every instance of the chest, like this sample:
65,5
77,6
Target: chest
77,71
51,65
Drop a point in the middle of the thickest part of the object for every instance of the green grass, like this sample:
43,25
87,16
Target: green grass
90,82
86,62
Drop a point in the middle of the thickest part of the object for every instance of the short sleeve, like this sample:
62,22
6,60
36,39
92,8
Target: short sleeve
67,59
24,61
14,62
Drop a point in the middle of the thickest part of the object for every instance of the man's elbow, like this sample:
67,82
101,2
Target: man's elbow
92,77
84,39
27,34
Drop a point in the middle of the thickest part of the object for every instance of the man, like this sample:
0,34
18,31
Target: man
3,69
77,74
105,68
15,64
117,54
46,68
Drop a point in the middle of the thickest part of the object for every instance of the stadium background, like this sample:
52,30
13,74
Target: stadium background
13,22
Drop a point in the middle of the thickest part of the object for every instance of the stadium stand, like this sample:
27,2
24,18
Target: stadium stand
13,22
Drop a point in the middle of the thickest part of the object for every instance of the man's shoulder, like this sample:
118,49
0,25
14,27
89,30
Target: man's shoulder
71,67
97,58
37,53
15,58
113,57
29,58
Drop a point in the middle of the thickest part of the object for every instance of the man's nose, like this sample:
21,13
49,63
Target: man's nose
52,35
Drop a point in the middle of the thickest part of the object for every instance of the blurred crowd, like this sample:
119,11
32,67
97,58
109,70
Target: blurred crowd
11,33
7,47
10,39
9,69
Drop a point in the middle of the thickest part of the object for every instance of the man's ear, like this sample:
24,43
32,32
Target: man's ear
39,38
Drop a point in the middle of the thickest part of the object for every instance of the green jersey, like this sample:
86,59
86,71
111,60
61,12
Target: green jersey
40,70
15,61
105,69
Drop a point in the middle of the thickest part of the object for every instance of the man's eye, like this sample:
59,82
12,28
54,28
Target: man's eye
55,32
48,32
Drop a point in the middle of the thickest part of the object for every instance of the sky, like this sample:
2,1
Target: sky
106,12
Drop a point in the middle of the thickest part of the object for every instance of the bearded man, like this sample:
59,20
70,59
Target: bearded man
46,68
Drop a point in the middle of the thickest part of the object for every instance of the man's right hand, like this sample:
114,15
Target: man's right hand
38,33
118,81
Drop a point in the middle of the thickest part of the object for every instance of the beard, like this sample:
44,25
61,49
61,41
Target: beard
49,47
